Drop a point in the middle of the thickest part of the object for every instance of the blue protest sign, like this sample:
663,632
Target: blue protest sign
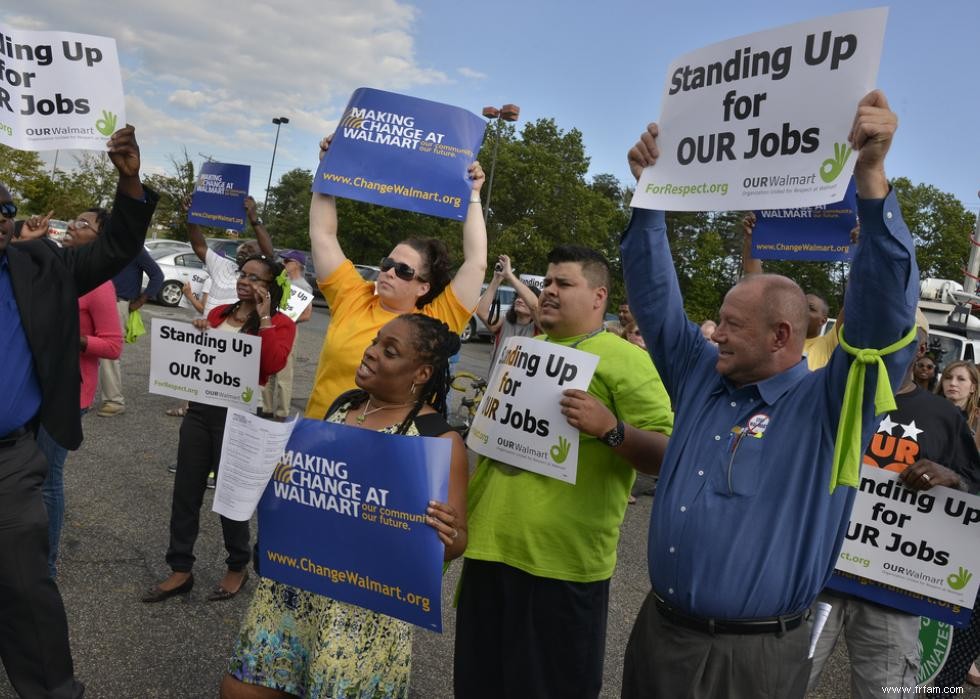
344,517
816,234
402,152
219,196
903,600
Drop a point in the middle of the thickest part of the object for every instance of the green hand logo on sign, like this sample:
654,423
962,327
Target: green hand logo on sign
559,452
247,394
832,167
107,124
959,579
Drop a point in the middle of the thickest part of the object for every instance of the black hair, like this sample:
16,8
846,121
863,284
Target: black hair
511,315
435,343
251,325
18,225
101,215
595,267
435,257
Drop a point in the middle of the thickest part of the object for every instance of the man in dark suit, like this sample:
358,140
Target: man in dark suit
39,385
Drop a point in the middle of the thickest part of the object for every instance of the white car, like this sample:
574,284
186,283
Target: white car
177,267
159,244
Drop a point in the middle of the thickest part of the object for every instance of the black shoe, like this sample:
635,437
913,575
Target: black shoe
219,593
158,594
172,468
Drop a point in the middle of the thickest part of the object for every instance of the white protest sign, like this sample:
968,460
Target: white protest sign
761,121
921,541
205,366
58,90
519,421
535,281
196,281
299,299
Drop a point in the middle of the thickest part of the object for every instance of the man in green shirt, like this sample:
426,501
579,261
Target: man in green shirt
531,619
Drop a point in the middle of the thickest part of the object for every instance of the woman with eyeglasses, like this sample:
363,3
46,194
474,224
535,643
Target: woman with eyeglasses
415,278
100,338
924,373
262,284
295,643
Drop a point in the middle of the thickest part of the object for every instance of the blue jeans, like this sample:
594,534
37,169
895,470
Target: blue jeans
53,492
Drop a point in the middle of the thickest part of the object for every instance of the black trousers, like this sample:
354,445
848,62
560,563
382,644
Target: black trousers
519,636
198,453
33,627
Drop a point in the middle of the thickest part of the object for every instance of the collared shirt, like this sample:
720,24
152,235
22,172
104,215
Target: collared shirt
20,392
129,282
743,525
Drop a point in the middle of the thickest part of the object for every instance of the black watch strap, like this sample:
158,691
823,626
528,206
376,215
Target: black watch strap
615,436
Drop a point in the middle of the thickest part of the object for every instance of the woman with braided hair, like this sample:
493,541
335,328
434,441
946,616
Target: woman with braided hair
295,643
262,285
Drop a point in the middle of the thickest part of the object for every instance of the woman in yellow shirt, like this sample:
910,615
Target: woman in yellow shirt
414,278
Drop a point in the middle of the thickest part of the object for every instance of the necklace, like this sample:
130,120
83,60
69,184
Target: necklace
368,410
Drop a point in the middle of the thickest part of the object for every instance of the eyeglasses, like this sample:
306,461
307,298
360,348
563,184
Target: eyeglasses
402,270
253,277
8,209
80,223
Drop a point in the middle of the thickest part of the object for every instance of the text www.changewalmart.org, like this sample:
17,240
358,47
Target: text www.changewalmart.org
350,577
400,189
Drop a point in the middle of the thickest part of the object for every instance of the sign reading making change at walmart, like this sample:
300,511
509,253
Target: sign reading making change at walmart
519,421
761,121
920,541
58,90
206,366
813,234
345,516
219,196
402,152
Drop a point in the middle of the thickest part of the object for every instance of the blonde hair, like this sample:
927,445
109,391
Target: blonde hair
972,408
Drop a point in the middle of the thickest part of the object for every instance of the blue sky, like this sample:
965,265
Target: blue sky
210,76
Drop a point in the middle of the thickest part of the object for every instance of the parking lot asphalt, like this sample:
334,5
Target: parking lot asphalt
118,494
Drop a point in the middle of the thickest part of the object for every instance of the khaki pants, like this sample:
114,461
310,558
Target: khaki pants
278,391
110,372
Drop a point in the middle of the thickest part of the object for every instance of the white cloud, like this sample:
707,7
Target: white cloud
471,74
192,99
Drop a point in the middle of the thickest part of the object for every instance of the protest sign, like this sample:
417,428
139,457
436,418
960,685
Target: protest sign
919,541
761,121
402,152
345,516
535,281
58,90
219,196
206,366
519,421
299,299
197,282
814,234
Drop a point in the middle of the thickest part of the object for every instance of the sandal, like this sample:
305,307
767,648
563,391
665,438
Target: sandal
177,412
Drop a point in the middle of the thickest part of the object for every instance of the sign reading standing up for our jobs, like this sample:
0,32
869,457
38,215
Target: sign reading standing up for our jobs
402,152
814,234
345,516
761,121
206,366
923,542
58,90
519,421
219,196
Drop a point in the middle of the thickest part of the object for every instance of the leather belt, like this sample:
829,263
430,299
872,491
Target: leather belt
773,625
11,438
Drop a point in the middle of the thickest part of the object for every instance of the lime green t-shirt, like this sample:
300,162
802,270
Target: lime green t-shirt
553,529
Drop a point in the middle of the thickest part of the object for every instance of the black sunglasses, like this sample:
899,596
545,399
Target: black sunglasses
402,270
8,209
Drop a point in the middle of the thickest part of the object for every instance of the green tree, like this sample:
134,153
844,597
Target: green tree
941,227
287,213
23,173
173,186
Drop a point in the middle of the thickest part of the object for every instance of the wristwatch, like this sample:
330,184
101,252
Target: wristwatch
257,222
615,436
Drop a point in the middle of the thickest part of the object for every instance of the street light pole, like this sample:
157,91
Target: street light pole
278,121
509,112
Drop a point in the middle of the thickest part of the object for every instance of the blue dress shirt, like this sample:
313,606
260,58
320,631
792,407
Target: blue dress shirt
20,392
743,526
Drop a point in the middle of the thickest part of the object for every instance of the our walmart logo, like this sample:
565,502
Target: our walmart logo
283,473
247,394
352,122
559,452
831,168
959,579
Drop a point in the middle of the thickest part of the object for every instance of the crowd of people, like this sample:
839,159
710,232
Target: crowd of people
756,423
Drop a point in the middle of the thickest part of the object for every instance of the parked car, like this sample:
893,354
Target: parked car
369,272
177,267
476,329
167,244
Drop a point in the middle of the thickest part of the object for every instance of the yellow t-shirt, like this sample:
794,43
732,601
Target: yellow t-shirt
818,349
356,317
